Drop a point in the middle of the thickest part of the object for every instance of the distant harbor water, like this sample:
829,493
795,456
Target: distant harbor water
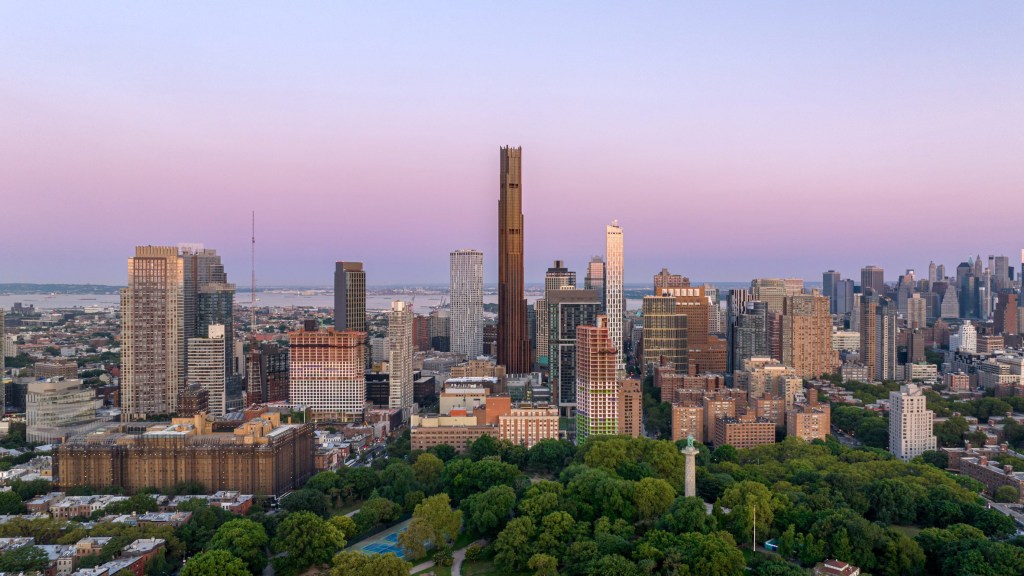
374,302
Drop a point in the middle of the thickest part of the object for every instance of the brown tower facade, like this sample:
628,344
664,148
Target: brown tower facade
513,339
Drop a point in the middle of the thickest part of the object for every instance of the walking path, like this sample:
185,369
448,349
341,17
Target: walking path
457,558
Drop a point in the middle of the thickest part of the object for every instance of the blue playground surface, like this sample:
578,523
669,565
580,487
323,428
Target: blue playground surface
385,542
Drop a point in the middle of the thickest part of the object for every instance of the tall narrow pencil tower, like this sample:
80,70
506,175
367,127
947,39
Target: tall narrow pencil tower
615,304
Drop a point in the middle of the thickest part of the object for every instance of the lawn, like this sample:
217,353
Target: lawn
909,531
485,568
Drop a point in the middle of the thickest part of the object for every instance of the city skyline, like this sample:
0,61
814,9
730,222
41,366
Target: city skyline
862,115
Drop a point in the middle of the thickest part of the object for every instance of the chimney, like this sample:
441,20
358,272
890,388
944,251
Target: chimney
1008,469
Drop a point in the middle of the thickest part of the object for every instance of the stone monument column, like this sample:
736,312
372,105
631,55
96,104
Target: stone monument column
691,468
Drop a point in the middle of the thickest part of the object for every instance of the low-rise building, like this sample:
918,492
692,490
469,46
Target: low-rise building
992,474
688,420
810,421
744,431
835,568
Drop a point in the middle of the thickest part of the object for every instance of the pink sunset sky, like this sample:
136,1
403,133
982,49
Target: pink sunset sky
730,140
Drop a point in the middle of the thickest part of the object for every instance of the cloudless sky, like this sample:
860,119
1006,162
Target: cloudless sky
730,140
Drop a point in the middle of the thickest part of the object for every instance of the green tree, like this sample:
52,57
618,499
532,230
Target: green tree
359,564
724,453
374,511
10,503
346,525
204,523
137,504
434,524
427,470
550,455
892,501
487,512
23,559
936,458
1006,494
742,499
244,539
483,447
543,565
358,483
324,482
443,451
513,543
219,562
397,480
556,531
950,433
712,554
615,564
306,500
306,540
686,515
653,496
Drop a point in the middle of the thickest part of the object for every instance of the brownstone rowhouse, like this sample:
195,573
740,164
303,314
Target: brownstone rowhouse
261,456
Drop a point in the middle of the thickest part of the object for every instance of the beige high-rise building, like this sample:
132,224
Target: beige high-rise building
326,372
664,334
910,423
207,368
917,312
771,291
868,335
596,384
400,352
152,333
615,303
631,403
760,376
807,335
794,286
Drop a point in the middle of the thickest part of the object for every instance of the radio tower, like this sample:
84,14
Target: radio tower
254,387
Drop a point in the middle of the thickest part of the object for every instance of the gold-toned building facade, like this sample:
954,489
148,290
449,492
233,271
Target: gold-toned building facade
261,456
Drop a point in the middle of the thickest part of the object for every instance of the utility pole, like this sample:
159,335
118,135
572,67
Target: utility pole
755,530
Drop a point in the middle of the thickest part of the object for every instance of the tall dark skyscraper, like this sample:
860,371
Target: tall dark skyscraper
872,277
349,297
513,338
829,280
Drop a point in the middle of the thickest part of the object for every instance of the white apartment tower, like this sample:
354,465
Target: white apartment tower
910,423
615,304
467,298
206,367
968,338
152,333
400,352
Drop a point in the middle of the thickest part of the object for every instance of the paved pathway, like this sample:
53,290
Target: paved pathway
459,556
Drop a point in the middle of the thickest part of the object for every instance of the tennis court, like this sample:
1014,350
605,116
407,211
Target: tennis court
385,542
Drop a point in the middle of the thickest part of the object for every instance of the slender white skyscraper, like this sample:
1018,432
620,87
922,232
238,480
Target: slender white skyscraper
400,347
616,305
467,296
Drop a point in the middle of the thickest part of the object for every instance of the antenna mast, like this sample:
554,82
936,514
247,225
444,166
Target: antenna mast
254,379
